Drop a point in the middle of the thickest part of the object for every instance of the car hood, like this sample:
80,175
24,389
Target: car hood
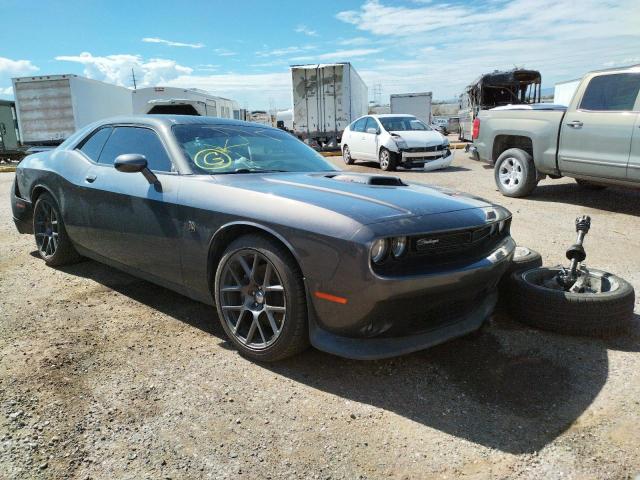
420,138
363,197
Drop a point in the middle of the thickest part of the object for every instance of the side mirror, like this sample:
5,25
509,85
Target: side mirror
135,163
372,130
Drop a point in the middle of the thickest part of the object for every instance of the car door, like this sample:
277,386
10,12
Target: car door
595,135
370,139
356,138
633,168
133,222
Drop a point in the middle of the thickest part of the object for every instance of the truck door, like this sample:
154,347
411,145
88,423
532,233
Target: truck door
596,131
633,169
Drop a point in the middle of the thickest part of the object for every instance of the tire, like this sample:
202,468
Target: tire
261,342
599,314
53,242
587,185
523,259
515,173
346,155
387,160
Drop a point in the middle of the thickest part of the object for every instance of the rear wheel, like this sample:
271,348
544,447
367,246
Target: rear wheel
346,155
387,160
54,245
260,299
515,174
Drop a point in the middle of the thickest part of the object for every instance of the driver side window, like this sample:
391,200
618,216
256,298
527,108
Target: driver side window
143,141
371,123
358,126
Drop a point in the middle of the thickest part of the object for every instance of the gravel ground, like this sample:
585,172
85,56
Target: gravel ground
106,376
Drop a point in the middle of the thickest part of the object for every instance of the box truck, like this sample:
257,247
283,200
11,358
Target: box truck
417,104
326,98
563,92
183,101
51,107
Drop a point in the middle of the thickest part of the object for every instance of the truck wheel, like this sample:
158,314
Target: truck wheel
346,155
523,259
586,184
607,310
515,173
387,160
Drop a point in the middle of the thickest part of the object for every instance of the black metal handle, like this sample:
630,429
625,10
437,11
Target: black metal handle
91,178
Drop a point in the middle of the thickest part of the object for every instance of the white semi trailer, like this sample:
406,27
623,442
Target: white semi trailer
51,107
326,98
183,101
417,104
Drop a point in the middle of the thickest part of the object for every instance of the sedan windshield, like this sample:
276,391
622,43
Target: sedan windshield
402,124
217,149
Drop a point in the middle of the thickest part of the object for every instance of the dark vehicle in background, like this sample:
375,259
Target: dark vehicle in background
596,139
249,219
517,86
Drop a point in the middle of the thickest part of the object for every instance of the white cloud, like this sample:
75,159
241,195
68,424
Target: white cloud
355,41
306,30
172,43
278,52
338,55
16,67
223,52
117,68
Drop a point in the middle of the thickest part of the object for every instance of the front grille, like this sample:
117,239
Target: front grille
435,148
432,251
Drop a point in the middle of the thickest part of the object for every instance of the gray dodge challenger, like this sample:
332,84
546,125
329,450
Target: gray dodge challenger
289,249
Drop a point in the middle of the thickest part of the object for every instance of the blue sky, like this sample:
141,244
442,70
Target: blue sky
243,49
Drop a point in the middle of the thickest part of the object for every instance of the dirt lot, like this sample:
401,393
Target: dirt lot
105,376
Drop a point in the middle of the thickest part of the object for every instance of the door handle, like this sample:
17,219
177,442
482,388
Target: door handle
90,178
575,124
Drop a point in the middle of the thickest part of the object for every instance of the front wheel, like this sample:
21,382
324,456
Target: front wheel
260,298
515,173
387,160
54,245
346,155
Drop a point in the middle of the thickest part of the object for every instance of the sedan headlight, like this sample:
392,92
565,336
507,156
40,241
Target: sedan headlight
400,142
398,246
379,250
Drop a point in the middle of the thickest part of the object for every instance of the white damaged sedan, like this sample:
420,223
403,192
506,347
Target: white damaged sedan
395,140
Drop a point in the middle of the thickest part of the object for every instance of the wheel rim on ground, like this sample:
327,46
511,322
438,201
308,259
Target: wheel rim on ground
384,159
600,282
346,155
252,299
511,173
46,229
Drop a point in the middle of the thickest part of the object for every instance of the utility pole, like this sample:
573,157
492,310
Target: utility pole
133,76
377,93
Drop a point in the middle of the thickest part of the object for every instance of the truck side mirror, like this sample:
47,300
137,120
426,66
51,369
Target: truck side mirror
134,163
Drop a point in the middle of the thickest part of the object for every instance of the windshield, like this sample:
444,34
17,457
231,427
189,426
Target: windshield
401,124
217,149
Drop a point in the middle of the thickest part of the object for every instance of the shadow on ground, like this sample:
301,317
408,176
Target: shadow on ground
611,199
507,387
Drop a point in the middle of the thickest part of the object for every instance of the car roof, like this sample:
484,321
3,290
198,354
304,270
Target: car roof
169,120
384,115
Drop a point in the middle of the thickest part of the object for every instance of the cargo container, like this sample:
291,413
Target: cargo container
326,98
183,101
50,108
9,137
417,104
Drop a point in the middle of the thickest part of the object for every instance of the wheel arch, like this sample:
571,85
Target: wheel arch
38,190
502,143
229,232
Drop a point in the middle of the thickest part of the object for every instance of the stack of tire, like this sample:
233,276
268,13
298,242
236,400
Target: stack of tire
600,314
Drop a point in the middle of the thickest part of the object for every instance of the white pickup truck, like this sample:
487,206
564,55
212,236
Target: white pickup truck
595,140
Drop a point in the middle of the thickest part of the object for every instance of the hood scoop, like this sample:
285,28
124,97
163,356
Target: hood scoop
378,180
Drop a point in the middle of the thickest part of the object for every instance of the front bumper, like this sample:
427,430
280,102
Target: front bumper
22,213
430,160
396,316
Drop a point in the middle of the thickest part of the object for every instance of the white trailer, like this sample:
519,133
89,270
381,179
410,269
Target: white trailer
563,92
284,119
51,107
183,101
417,104
326,98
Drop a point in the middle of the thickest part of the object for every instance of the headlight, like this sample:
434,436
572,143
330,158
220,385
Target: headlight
446,142
398,246
400,142
501,225
379,250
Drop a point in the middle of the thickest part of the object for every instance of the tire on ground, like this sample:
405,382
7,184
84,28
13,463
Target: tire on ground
523,259
346,155
294,337
589,314
65,253
530,175
392,163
